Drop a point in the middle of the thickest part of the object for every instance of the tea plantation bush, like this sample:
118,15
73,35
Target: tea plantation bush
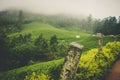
98,68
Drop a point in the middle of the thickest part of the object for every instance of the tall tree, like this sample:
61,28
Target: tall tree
53,43
20,20
4,55
89,22
41,44
108,26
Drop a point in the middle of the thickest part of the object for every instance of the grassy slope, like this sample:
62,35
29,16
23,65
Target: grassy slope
35,29
68,36
20,73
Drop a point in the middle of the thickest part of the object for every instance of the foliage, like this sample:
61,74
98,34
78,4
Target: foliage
28,45
107,26
20,48
41,44
53,43
4,49
87,69
97,69
20,20
100,65
51,68
25,45
20,39
11,20
31,62
34,76
8,20
62,49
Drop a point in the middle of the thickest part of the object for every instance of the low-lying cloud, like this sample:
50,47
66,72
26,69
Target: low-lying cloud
98,8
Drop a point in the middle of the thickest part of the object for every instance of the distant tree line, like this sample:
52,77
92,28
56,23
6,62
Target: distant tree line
15,19
11,20
7,25
108,26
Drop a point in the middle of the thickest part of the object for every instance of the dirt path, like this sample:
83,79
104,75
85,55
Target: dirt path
115,72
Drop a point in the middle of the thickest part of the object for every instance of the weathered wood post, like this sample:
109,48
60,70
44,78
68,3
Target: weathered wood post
115,38
100,36
71,61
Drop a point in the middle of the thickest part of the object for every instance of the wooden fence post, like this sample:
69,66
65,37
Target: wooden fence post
100,36
71,61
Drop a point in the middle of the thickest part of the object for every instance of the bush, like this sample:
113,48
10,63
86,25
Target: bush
34,76
100,65
31,62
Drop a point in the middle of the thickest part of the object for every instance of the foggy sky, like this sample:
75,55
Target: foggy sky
98,8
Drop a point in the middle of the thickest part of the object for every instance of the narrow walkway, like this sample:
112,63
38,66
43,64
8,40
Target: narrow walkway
115,72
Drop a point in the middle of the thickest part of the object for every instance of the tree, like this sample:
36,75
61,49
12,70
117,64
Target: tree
97,26
107,26
41,44
53,43
89,22
4,55
20,20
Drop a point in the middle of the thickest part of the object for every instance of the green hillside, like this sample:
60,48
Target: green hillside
52,68
47,30
68,36
44,67
33,45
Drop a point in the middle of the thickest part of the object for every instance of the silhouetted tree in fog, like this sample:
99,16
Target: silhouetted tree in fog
20,20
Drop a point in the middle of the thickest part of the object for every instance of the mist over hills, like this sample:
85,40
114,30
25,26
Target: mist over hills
88,23
98,8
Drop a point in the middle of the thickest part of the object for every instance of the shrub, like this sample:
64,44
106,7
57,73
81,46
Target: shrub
34,76
100,64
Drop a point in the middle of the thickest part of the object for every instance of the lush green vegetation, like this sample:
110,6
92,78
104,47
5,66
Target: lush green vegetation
107,26
27,39
51,68
67,36
97,69
37,28
51,43
30,46
38,77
